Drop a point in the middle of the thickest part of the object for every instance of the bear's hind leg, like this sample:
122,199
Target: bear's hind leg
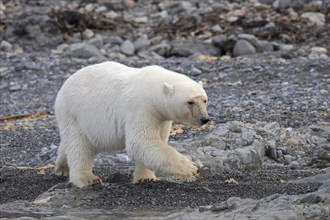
61,164
141,173
80,156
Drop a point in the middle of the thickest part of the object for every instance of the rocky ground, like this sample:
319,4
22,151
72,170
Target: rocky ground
265,67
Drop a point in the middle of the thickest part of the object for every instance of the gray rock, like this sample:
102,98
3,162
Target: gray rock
186,6
167,4
279,154
312,198
26,218
204,208
225,43
243,47
232,19
96,41
281,4
294,165
216,29
111,14
315,17
62,47
141,42
5,46
88,33
234,128
318,51
159,15
128,3
32,66
222,6
195,71
319,178
284,4
288,159
101,9
127,48
14,87
33,31
268,47
162,49
219,207
286,47
246,155
112,39
286,39
248,136
143,19
251,39
83,50
186,48
2,15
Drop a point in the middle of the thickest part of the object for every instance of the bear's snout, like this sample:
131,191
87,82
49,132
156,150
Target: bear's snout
204,120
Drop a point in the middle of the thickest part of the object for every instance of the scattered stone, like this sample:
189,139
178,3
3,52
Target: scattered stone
251,39
294,165
32,66
186,48
143,19
127,48
83,50
315,17
13,87
101,9
288,159
243,47
224,42
62,47
268,47
232,19
141,42
96,41
286,47
219,207
216,29
195,71
318,51
88,33
112,39
111,14
5,46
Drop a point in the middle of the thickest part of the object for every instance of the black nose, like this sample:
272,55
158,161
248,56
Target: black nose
204,120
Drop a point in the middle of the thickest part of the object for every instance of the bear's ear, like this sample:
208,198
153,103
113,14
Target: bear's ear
200,83
169,89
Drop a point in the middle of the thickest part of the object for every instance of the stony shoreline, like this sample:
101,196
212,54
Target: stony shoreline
265,66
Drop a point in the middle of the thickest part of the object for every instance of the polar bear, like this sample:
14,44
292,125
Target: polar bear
110,107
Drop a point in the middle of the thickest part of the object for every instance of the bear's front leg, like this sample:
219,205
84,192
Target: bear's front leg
142,173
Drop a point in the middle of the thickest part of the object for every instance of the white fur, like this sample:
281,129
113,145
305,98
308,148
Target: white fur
110,107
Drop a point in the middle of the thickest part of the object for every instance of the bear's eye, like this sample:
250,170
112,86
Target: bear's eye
205,101
191,102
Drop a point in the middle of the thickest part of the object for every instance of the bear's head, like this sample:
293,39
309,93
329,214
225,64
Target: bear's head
186,102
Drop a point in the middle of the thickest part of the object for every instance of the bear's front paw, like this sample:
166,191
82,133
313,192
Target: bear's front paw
186,170
84,179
